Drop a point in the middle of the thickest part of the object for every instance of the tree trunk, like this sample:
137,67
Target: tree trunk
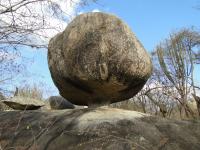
197,99
187,109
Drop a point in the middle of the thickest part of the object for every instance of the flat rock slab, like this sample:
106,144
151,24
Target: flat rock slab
95,128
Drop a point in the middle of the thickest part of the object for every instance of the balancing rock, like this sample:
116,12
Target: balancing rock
98,60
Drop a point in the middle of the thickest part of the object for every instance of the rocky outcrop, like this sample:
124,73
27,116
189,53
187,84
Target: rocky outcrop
58,102
98,60
99,128
23,103
4,107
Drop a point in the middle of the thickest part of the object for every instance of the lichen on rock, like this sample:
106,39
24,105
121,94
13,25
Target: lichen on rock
97,59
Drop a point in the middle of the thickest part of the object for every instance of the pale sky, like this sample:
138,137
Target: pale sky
151,21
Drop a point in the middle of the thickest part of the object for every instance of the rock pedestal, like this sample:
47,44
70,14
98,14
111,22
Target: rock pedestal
98,60
99,129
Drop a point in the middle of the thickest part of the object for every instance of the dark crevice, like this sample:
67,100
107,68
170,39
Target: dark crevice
79,85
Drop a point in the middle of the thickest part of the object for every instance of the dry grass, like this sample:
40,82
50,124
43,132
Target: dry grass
154,110
30,91
127,105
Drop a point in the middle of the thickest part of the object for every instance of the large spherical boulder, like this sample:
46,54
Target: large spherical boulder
97,60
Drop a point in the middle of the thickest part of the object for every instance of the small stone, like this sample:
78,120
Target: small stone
58,102
142,139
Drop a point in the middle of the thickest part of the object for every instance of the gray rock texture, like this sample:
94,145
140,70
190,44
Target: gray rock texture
97,60
95,129
58,102
23,103
4,107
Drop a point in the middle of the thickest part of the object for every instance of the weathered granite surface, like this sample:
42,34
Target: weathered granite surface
95,129
23,103
97,59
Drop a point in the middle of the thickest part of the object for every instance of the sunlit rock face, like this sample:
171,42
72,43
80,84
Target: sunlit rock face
97,60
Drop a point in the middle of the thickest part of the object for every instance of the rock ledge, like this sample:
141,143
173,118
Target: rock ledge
99,128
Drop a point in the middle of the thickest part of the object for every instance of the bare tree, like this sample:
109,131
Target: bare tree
176,57
30,23
22,22
154,96
197,100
